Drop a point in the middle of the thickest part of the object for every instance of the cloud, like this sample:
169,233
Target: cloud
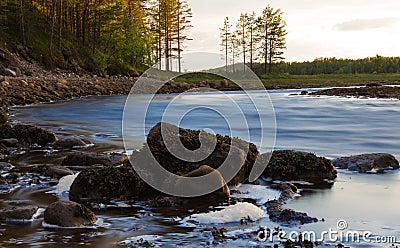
364,24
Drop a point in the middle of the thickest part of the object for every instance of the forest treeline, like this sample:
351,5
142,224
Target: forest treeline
102,36
376,64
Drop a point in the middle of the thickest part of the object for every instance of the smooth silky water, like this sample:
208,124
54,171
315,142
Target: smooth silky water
328,126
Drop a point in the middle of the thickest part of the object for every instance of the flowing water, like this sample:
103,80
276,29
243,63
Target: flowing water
328,126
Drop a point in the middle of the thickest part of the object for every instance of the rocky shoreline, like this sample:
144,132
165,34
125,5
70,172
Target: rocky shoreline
60,86
369,91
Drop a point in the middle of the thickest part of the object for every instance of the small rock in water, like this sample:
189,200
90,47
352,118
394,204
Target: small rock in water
69,214
89,159
27,134
293,165
51,171
304,93
18,213
69,143
374,84
368,163
9,142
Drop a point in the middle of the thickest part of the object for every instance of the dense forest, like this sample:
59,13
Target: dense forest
101,36
376,64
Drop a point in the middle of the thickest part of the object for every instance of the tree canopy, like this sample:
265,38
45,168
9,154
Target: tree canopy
103,36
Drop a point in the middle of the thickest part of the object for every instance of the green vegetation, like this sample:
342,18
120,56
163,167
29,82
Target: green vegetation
374,65
328,79
100,36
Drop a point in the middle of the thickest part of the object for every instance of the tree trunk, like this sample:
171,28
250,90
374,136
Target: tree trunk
251,47
271,53
266,48
53,21
179,43
22,22
244,48
60,19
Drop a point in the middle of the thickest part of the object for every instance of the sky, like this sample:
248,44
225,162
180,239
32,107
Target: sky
316,28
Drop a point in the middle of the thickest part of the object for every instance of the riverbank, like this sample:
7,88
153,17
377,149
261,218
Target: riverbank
63,86
371,91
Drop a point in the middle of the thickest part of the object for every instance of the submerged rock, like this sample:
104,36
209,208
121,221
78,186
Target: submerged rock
364,163
9,142
27,135
287,216
89,159
51,171
216,153
101,184
69,143
289,165
18,213
69,214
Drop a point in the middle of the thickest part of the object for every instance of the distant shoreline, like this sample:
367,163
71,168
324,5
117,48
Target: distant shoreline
19,91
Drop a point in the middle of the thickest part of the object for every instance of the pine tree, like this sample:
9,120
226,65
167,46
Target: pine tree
225,34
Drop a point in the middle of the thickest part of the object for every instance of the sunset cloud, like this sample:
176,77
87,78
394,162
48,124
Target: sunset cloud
364,24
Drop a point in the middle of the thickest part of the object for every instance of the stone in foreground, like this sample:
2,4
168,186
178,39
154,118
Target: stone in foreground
241,152
69,214
18,213
27,134
101,184
89,159
290,165
221,194
368,163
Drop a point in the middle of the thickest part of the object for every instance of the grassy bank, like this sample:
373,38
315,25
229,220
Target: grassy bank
328,79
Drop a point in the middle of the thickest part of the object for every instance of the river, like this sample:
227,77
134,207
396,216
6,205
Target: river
328,126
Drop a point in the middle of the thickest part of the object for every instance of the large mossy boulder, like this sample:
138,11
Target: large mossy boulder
101,184
368,163
290,165
27,134
69,214
216,154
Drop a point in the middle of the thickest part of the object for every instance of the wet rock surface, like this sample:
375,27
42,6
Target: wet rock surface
373,90
101,184
70,143
287,165
69,214
242,152
18,213
220,195
51,171
26,135
368,163
277,213
89,159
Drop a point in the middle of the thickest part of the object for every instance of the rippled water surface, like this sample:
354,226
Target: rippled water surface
327,126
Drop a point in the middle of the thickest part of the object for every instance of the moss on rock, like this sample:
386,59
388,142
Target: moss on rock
294,165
